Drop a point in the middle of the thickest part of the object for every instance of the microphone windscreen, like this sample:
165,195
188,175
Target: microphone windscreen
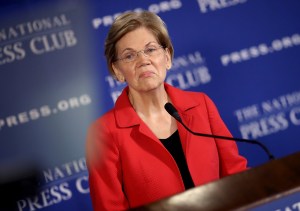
170,109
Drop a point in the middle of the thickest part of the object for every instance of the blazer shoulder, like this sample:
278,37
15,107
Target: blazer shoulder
106,119
195,94
199,97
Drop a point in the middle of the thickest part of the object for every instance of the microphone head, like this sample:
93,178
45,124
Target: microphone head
170,108
172,111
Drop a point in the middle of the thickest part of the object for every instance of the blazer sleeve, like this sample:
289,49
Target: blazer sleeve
104,167
230,160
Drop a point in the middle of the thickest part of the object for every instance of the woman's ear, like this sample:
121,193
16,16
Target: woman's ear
168,59
118,73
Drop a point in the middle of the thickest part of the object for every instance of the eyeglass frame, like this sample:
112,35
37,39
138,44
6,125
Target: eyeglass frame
136,53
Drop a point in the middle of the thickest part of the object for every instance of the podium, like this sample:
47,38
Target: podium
259,188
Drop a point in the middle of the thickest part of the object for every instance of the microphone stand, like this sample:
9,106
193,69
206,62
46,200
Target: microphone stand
173,112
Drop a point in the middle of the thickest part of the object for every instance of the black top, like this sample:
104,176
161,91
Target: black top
173,145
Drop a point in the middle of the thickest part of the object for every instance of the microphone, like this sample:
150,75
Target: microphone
174,113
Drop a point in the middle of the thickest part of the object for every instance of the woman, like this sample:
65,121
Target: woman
137,153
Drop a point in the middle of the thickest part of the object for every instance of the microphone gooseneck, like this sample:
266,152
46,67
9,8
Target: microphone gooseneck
174,113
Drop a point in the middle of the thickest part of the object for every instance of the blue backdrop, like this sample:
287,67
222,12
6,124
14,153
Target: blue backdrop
54,81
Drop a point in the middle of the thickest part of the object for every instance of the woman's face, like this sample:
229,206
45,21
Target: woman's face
145,73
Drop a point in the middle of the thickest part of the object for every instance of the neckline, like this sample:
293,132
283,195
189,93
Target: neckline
170,137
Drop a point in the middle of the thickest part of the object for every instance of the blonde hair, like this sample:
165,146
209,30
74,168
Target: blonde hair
130,21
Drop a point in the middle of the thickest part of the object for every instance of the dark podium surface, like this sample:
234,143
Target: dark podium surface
259,188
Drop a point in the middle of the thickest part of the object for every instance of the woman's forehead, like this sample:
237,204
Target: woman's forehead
136,39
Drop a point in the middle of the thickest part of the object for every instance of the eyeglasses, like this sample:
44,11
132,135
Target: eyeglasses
149,51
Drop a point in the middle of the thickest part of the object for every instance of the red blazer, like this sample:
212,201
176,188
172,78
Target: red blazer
128,166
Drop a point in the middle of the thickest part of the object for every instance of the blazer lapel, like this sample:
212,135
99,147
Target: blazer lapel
126,117
182,103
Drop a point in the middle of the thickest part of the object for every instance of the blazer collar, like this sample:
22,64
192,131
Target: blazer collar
181,100
124,112
126,116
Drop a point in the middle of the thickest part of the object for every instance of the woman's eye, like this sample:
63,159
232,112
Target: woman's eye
150,50
129,56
